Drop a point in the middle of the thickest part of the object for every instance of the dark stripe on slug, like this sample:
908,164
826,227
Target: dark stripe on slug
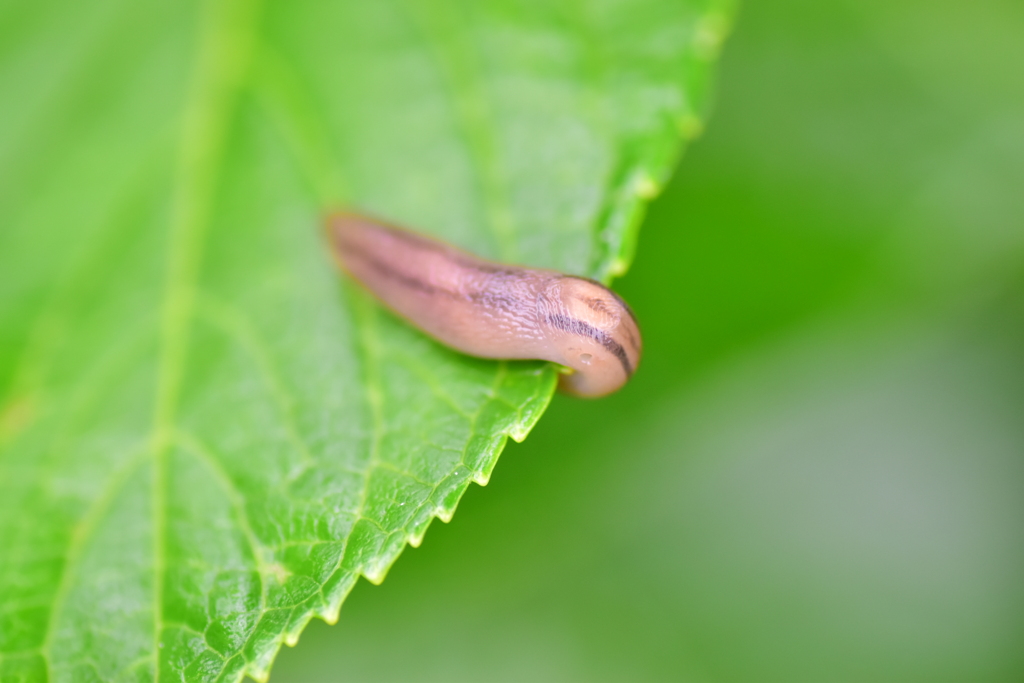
484,297
429,244
590,302
463,259
392,273
578,327
602,307
406,236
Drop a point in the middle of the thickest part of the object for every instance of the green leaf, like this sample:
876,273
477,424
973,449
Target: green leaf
206,436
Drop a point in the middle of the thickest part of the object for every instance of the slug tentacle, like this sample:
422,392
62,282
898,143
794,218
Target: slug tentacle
493,310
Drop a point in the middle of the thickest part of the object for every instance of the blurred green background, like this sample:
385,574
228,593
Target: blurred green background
818,473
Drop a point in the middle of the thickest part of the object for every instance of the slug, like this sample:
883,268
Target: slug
493,310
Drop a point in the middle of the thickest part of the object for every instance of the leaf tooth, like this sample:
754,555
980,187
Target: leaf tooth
329,613
375,574
260,675
645,185
710,33
519,430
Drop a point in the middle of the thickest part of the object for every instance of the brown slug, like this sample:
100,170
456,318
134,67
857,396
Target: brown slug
490,309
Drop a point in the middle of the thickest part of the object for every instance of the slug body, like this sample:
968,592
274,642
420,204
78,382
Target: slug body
493,310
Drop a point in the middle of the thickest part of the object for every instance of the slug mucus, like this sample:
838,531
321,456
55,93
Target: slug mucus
493,310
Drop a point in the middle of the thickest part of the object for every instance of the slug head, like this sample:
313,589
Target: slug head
594,333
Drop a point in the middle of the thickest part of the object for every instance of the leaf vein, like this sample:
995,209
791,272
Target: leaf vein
233,323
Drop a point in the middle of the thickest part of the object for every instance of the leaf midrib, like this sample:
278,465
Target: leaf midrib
227,31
